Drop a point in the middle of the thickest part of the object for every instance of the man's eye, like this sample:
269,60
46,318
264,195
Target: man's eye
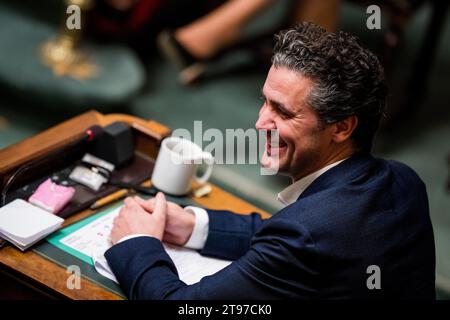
283,114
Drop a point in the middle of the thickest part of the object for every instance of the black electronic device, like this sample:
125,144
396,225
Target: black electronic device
114,144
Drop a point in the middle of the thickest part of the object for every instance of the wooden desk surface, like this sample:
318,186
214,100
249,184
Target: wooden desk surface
45,276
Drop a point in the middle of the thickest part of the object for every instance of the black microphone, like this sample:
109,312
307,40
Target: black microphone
93,133
86,138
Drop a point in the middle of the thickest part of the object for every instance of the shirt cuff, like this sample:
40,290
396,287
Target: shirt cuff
131,236
200,233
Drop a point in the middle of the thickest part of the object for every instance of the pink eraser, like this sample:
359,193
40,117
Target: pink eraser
51,197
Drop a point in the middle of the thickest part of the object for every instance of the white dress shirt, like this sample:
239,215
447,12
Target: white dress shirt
288,196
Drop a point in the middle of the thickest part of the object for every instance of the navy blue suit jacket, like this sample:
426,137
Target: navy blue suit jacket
362,212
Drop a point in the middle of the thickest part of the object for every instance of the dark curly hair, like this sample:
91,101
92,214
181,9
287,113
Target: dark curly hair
348,79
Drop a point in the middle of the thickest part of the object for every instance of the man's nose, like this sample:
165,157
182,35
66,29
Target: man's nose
265,121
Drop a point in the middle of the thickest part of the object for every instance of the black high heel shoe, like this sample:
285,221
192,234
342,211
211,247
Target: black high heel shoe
191,68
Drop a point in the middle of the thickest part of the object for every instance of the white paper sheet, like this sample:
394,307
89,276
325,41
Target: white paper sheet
93,237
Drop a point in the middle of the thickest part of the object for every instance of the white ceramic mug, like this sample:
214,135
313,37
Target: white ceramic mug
177,165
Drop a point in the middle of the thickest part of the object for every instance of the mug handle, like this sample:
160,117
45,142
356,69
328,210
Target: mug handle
209,160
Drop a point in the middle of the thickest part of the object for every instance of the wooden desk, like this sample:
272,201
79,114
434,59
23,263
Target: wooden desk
28,275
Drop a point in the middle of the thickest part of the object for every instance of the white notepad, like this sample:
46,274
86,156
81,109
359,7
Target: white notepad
24,224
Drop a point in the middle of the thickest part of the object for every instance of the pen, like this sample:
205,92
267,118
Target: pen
109,199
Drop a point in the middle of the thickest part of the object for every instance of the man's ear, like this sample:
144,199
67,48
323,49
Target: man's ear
344,129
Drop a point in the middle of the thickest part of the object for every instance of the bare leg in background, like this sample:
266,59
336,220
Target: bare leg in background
222,27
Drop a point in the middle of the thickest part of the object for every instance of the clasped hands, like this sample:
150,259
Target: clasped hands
156,217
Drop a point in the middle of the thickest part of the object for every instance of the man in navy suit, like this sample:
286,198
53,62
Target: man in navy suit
353,226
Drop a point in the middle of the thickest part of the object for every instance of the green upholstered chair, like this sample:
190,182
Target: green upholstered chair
119,74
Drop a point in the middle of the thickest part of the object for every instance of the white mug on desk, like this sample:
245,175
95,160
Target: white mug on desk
177,165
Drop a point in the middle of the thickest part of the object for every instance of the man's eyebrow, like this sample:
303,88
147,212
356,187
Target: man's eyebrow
278,105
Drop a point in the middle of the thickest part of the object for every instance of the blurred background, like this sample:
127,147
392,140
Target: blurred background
176,61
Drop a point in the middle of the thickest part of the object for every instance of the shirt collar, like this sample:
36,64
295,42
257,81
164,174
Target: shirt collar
290,194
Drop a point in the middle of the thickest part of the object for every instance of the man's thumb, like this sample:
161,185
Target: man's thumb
160,209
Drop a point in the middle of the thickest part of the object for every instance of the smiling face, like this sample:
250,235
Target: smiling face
305,144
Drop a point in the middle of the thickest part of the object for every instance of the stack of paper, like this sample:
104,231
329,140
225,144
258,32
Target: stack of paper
23,224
